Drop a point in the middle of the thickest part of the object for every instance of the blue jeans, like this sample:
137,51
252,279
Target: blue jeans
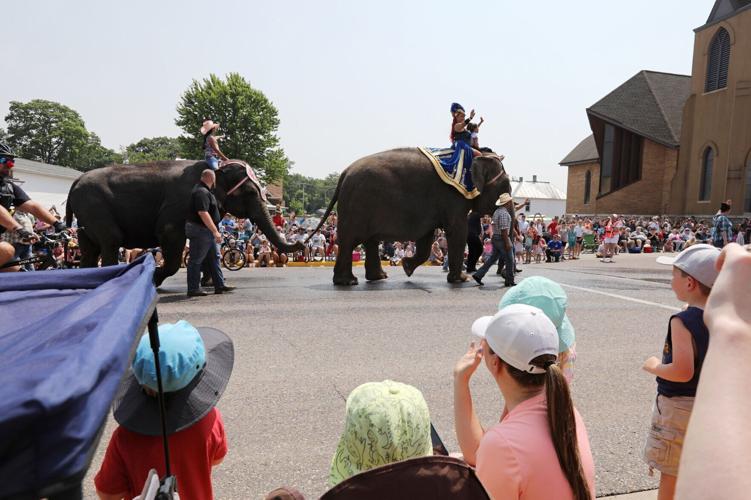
202,248
213,162
499,255
23,252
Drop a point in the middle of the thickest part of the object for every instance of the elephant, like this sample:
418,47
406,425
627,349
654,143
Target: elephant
396,195
145,206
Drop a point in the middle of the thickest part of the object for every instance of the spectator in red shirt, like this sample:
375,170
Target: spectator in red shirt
553,226
195,367
278,218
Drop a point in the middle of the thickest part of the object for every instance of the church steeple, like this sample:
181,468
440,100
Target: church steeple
726,8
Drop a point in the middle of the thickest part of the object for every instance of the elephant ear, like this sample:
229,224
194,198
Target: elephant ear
485,170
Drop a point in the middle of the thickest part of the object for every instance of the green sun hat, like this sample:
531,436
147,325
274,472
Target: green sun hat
386,422
549,296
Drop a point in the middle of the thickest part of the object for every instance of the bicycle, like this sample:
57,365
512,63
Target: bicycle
43,256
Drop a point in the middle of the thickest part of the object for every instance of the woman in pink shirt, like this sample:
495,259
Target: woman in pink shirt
540,448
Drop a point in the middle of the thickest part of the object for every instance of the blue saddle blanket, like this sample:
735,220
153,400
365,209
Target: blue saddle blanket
454,167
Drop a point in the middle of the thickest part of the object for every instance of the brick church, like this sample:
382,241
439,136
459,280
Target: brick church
673,144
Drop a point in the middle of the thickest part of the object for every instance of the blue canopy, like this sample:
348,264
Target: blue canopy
66,340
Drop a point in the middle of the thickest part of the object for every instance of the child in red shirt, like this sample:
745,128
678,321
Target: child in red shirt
196,437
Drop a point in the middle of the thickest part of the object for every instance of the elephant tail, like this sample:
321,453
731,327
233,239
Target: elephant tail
329,209
68,207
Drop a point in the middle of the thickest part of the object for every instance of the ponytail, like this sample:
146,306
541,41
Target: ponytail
561,420
562,425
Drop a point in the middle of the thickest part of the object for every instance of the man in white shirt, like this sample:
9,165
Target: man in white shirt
318,245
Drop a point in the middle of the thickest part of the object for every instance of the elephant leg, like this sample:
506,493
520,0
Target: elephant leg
89,250
343,267
373,269
422,252
172,251
457,240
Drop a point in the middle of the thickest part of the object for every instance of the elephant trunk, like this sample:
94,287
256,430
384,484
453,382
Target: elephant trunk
262,218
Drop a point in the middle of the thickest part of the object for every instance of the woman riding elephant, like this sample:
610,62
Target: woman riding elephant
460,136
212,153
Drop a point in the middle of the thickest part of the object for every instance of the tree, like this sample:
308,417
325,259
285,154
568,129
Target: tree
249,122
3,135
94,155
309,193
151,149
51,132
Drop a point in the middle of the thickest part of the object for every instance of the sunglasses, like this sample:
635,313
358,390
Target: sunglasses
8,162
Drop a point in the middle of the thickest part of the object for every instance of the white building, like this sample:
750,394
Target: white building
544,198
46,184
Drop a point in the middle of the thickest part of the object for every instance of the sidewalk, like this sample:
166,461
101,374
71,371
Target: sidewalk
640,495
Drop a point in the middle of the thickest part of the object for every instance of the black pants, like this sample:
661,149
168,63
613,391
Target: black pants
553,256
474,246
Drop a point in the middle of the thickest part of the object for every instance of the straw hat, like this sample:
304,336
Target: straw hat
208,125
503,199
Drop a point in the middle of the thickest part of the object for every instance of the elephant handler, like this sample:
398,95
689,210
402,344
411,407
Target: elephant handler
12,196
201,230
502,246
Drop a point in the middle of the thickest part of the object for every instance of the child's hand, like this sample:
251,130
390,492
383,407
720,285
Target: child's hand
471,114
481,121
651,364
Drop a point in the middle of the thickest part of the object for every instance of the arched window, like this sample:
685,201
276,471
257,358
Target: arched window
747,200
718,61
587,184
705,184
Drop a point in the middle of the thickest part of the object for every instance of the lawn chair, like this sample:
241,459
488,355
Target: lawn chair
434,477
589,243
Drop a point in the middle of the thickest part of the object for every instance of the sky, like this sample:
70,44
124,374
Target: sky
350,78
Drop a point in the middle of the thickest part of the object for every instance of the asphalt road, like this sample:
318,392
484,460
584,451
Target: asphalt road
302,345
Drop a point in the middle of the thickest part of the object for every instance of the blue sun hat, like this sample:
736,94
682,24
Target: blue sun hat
456,107
195,364
549,296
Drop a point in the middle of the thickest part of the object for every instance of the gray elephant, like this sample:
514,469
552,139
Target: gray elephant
144,206
398,196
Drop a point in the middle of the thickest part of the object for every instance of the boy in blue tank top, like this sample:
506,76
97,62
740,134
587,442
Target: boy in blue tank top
694,273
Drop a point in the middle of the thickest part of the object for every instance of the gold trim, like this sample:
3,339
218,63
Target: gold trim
446,178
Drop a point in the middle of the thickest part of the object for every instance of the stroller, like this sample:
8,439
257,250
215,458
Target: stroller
66,340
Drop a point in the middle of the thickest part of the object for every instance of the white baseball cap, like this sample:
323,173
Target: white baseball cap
519,333
697,260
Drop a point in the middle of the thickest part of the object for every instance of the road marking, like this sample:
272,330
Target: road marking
622,297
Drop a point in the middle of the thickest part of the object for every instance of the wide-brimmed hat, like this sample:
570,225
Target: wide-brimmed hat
208,125
195,364
549,296
386,422
503,199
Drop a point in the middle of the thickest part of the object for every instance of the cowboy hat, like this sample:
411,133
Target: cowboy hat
208,125
195,365
503,199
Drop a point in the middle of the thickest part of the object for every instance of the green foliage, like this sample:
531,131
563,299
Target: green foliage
51,132
3,135
308,193
153,149
248,120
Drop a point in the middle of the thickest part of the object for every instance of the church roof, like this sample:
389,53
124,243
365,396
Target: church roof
584,152
649,104
724,9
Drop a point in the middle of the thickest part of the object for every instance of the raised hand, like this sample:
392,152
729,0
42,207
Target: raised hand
466,366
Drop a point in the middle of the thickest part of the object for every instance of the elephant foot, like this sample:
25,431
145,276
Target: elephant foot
347,281
376,276
461,278
408,267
